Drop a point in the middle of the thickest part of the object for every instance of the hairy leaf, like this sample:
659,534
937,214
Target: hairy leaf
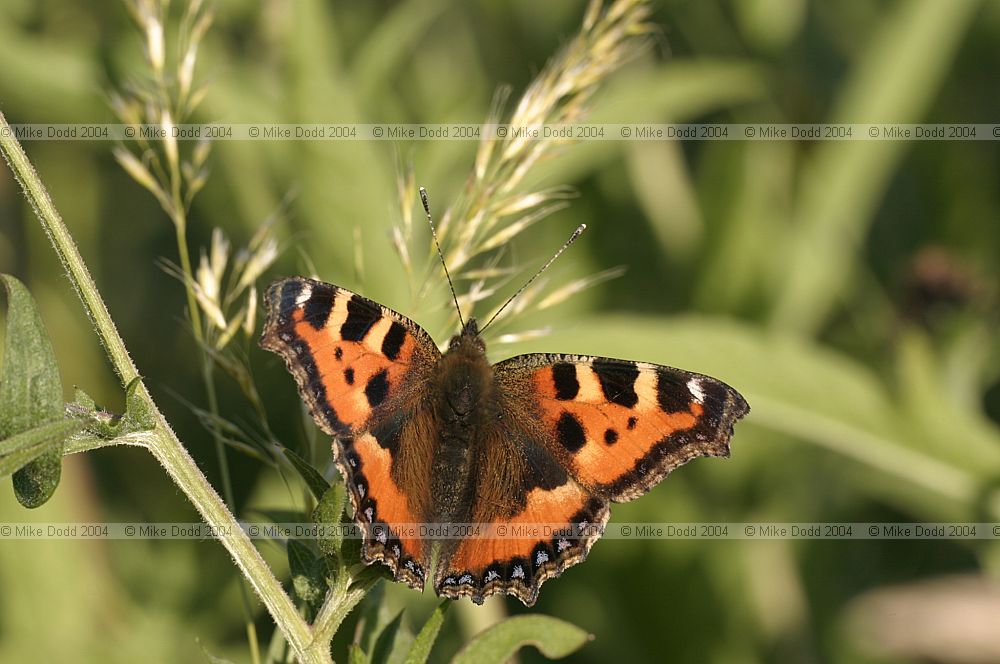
554,638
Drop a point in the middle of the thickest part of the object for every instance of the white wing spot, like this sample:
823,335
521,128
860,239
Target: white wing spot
381,537
361,490
465,578
518,572
491,576
370,513
304,295
542,557
562,545
694,387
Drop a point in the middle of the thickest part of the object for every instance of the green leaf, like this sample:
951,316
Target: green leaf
312,477
308,580
103,427
83,400
39,437
138,411
367,575
373,614
21,449
35,483
212,659
328,512
30,393
355,655
350,552
392,642
421,649
554,638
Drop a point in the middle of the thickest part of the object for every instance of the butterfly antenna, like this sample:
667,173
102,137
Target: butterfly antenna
427,210
572,238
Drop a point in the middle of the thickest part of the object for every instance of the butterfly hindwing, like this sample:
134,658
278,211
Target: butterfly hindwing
362,368
619,427
535,519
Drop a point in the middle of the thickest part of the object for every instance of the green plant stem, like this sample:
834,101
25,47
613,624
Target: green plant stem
161,440
339,603
220,446
180,225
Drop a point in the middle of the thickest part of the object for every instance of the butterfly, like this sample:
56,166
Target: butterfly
425,437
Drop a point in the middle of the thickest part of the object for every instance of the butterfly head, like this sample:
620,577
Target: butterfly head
468,338
464,375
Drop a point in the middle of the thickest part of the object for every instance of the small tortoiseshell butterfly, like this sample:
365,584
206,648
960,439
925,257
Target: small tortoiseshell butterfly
425,437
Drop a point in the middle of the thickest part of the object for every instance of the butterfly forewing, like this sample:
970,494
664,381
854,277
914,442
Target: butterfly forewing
619,427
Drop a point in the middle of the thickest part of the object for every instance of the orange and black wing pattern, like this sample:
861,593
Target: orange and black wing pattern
515,555
619,427
362,370
532,520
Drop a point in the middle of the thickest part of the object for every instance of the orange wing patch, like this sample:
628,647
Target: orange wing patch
348,354
613,419
515,556
359,372
384,510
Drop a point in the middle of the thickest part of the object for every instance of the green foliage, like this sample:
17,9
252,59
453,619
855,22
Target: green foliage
19,451
554,638
308,574
385,641
424,641
312,478
214,659
329,511
33,426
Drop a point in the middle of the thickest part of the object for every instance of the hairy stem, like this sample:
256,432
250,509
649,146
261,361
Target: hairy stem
161,440
342,598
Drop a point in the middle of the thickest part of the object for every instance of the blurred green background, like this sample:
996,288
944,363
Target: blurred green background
848,289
